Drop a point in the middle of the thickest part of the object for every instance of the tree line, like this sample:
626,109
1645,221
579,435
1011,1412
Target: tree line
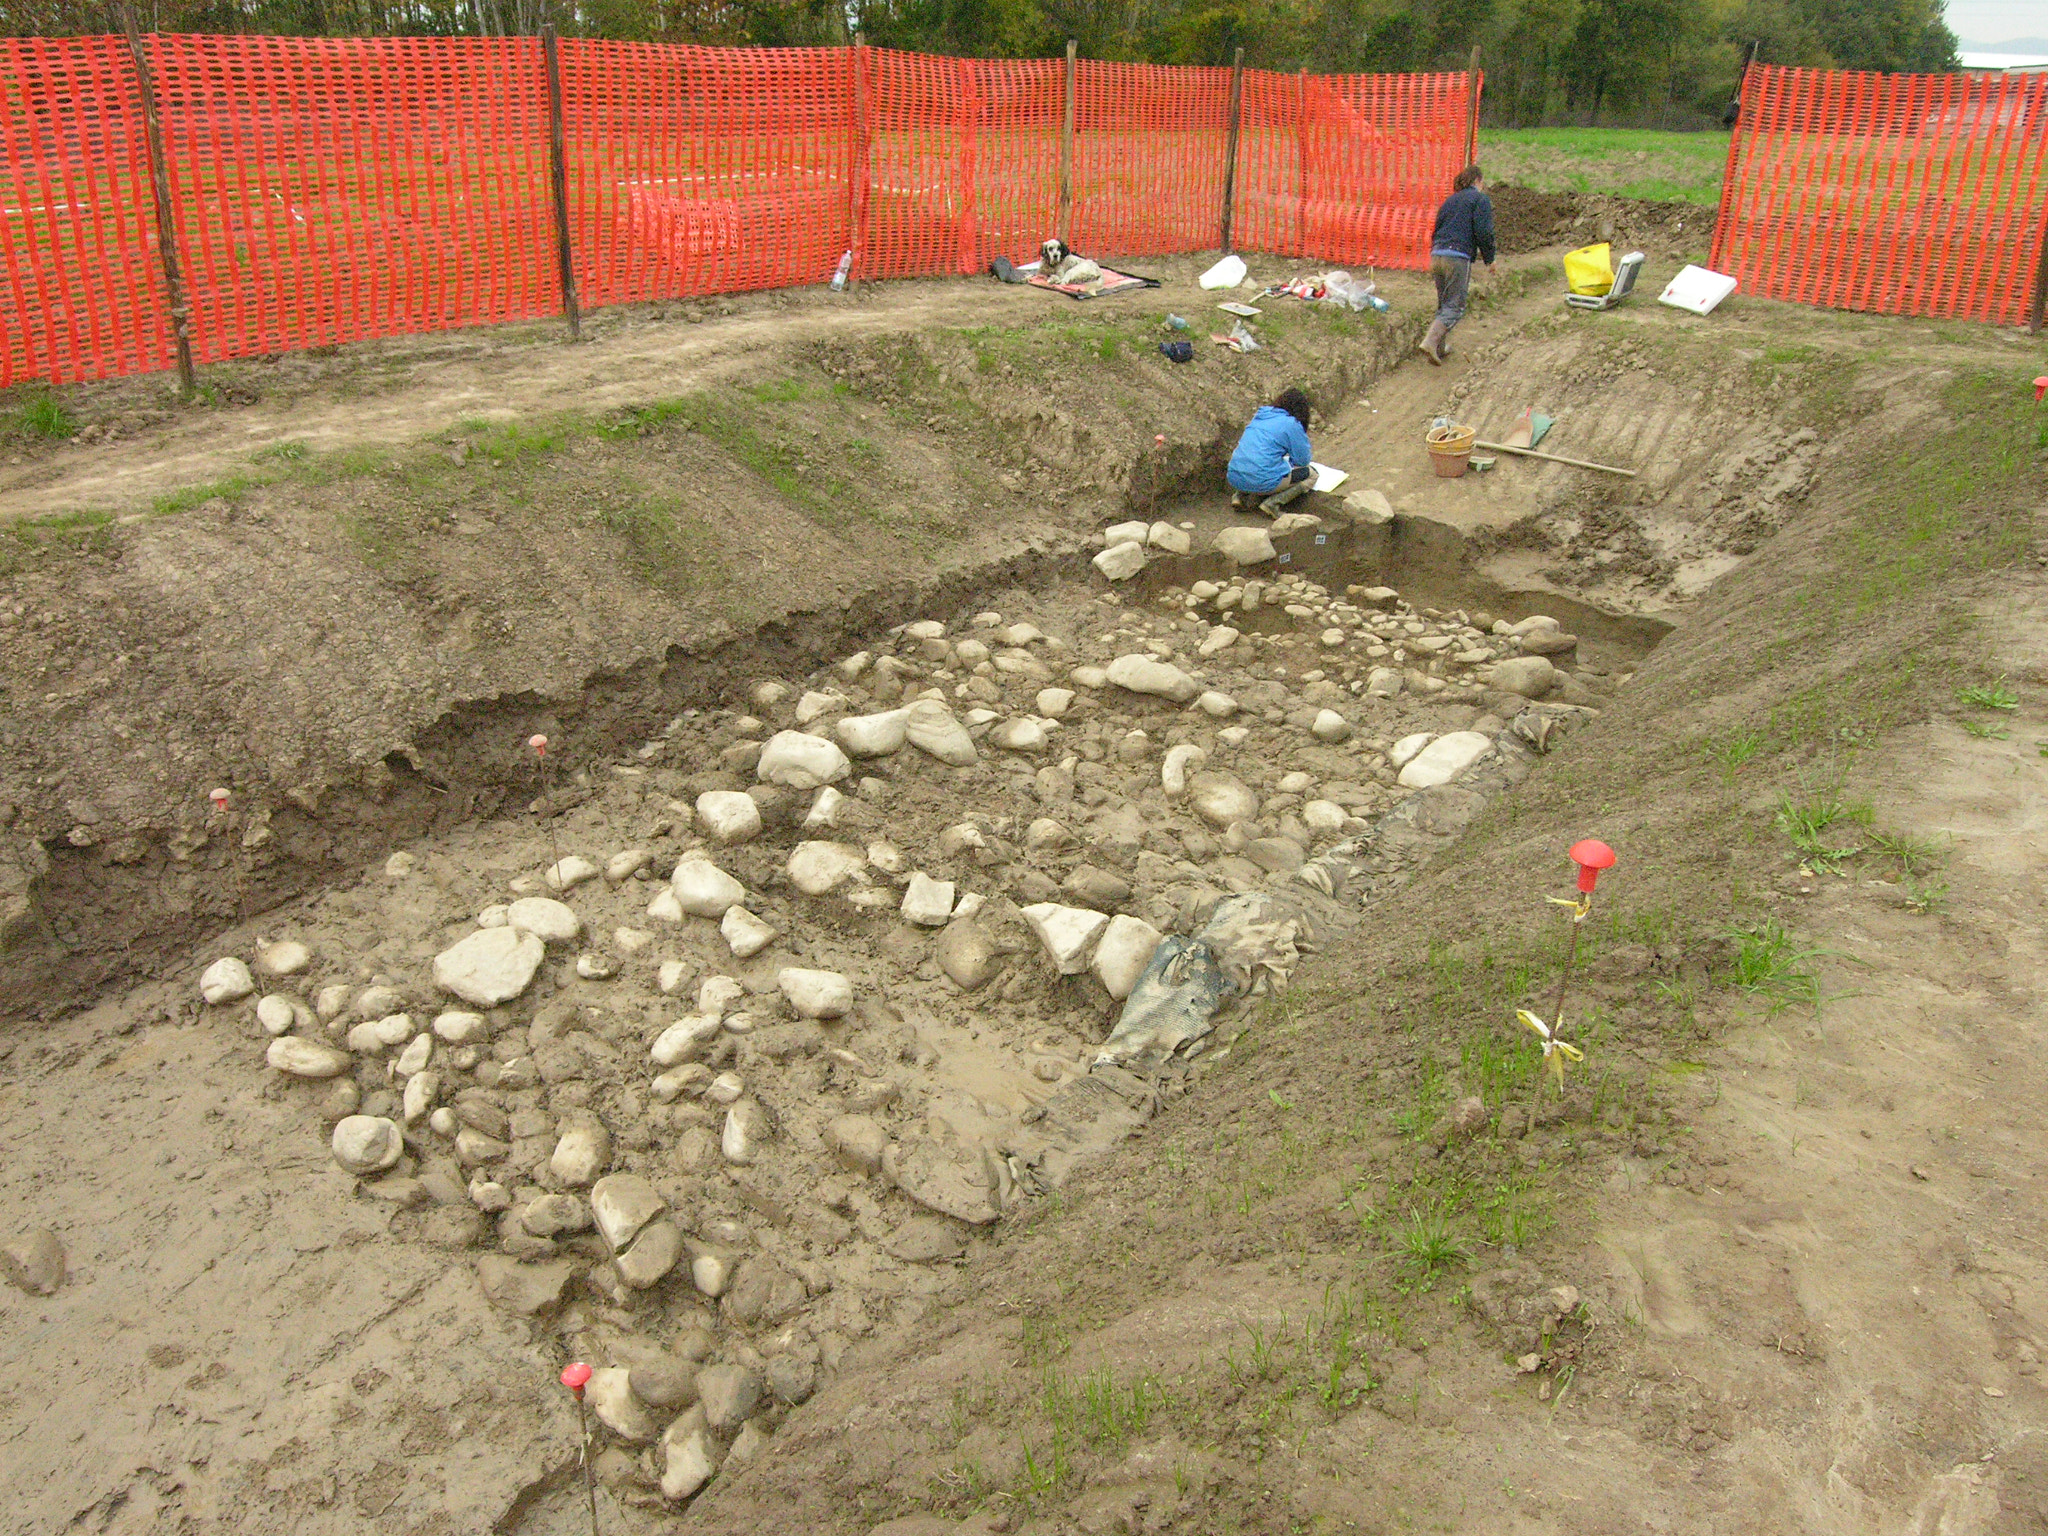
1666,63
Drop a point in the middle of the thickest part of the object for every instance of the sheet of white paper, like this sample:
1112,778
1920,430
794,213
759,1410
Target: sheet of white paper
1328,479
1697,290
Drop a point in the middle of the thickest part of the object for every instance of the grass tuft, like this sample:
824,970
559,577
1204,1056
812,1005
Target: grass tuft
1994,695
1769,963
43,415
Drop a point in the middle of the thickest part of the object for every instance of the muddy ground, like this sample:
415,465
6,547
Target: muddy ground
1771,1261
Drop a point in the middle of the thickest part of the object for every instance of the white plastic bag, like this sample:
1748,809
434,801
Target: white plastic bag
1227,273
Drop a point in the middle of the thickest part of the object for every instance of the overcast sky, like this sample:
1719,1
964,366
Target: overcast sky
1992,21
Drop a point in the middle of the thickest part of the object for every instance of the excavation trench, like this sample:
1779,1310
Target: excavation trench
820,1171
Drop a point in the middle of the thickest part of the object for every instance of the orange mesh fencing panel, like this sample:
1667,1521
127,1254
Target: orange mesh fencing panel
1019,112
332,189
1347,168
1381,154
916,132
706,170
1272,175
1149,142
81,295
1898,194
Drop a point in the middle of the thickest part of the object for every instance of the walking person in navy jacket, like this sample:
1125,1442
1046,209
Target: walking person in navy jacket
1270,466
1464,234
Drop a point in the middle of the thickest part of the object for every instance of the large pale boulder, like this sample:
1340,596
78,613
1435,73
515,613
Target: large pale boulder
1445,758
1145,674
545,918
490,966
932,728
702,889
729,816
816,994
1220,799
798,761
817,868
879,735
1123,953
1069,934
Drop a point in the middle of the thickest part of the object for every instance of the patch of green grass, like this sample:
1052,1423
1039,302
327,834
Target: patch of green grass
670,549
1499,1070
1428,1245
1428,1093
1733,752
1805,821
284,453
230,489
1984,730
1617,162
1925,897
44,415
778,392
27,540
1915,855
1949,510
1769,963
1993,695
1108,349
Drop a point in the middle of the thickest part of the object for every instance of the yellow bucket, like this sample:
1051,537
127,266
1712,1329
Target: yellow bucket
1589,270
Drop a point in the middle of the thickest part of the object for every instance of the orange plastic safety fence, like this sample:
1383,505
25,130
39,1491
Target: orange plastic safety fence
1020,109
1348,168
1149,143
1898,194
706,170
332,189
326,190
81,291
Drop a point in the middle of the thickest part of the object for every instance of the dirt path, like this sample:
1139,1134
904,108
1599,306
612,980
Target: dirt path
1845,1302
396,392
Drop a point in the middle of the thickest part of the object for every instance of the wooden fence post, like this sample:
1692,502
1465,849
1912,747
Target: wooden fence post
969,119
861,180
2040,309
160,192
1230,150
558,181
1472,107
1067,155
1301,162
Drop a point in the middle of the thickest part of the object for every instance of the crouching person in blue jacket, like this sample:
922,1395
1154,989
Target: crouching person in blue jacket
1271,465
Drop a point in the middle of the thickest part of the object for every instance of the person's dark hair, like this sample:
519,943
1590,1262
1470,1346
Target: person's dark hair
1470,176
1295,403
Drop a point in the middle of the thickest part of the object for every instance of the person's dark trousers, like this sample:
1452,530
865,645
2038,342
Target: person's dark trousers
1453,276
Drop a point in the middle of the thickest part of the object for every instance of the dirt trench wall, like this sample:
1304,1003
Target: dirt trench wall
359,656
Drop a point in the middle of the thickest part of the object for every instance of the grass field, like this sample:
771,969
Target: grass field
1621,162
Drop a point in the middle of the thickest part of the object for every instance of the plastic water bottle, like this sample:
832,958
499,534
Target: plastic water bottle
1379,303
839,276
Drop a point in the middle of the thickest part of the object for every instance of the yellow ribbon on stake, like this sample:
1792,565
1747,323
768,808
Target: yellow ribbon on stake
1556,1052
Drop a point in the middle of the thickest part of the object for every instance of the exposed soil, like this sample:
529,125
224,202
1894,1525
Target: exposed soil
1532,221
357,642
1768,1261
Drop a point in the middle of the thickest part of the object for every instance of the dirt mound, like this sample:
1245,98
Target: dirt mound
1532,221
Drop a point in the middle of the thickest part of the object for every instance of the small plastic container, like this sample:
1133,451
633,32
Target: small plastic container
1450,450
